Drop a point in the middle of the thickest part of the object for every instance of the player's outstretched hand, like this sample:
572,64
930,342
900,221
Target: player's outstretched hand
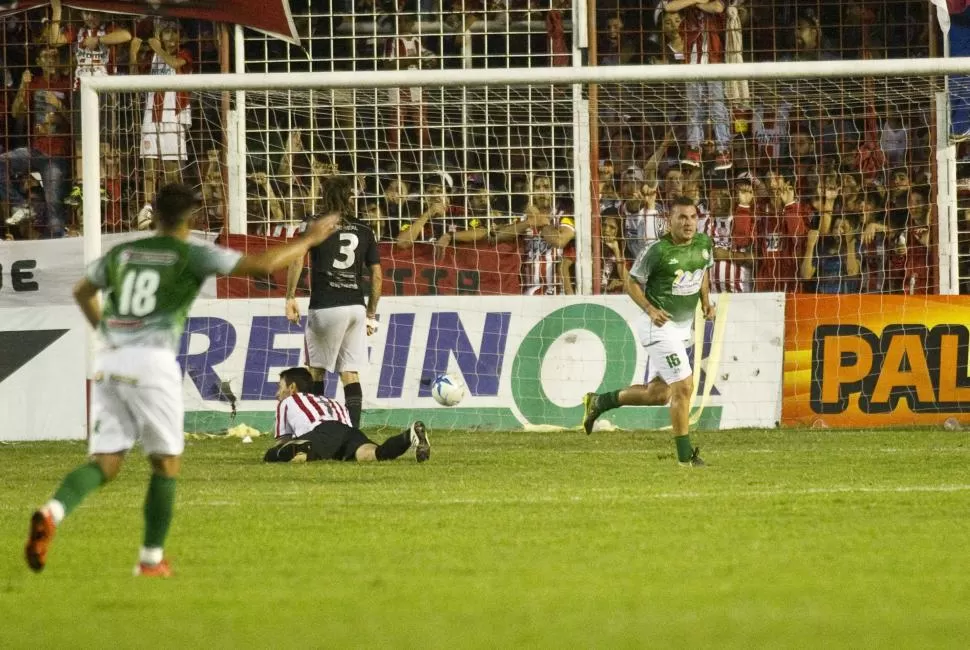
292,311
710,311
321,229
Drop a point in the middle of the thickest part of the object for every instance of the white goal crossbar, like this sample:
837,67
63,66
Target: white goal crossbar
92,87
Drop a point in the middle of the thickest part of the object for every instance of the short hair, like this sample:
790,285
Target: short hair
174,204
299,376
684,201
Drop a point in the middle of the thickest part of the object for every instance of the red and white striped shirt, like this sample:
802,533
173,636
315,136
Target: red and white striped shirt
736,234
301,412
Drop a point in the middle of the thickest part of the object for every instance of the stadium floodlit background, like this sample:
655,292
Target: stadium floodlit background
837,528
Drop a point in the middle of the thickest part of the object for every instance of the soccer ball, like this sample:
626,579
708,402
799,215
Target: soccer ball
447,390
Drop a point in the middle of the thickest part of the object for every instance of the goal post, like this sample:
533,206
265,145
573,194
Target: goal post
529,358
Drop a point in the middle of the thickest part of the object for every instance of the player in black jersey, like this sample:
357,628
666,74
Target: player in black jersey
338,323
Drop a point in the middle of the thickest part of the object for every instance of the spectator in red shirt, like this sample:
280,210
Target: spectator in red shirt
613,266
91,44
913,243
780,235
733,234
168,115
45,103
702,26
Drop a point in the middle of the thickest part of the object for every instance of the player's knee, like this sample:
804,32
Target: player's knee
110,465
349,378
680,391
167,466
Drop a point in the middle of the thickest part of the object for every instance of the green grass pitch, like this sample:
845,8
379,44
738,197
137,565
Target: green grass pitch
789,539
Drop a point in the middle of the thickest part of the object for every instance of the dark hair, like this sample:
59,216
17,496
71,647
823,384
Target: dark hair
683,200
335,195
789,175
173,205
299,376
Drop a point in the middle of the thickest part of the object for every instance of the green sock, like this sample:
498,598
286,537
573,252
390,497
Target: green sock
159,506
608,401
684,448
78,484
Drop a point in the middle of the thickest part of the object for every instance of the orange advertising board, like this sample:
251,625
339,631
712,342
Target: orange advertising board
876,360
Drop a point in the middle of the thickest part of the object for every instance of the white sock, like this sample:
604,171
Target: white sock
150,555
56,510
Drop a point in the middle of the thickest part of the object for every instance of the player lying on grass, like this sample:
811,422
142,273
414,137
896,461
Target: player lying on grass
668,277
148,287
310,427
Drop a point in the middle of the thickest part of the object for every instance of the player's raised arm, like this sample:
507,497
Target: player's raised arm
278,257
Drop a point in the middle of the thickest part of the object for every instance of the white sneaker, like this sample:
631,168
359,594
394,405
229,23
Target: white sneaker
19,215
145,217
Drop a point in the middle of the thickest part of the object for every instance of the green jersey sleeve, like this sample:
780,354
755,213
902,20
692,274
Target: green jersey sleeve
97,273
645,261
209,259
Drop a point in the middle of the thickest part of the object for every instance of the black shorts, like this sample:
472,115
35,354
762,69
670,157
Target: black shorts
334,441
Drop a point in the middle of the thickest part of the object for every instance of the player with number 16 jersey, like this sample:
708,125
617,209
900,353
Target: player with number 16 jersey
338,322
668,279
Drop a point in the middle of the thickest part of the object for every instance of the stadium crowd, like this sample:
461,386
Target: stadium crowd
800,190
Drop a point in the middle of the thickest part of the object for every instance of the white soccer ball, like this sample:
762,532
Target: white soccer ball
448,390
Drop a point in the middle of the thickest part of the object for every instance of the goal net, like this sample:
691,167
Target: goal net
509,217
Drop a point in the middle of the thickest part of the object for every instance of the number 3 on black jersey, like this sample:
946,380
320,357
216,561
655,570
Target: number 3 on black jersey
348,251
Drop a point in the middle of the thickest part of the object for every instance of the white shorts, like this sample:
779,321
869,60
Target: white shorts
137,396
164,140
336,338
667,350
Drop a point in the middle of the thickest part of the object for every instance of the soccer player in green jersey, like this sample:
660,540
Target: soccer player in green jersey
668,277
148,286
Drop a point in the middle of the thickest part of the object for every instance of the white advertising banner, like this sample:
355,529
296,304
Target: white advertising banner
42,373
527,361
43,272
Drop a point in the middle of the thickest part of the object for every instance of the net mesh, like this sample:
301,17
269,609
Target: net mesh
824,186
472,192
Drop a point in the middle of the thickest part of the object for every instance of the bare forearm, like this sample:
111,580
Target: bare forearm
406,238
376,288
677,5
635,291
293,278
714,7
86,296
566,271
117,37
272,259
557,237
469,236
172,61
851,260
706,291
